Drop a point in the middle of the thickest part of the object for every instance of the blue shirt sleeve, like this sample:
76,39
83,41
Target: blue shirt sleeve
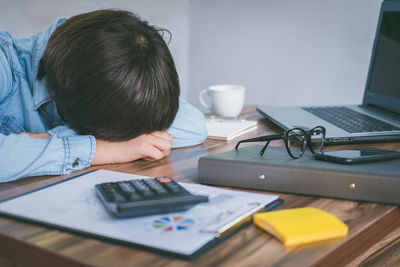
189,127
62,131
5,76
27,156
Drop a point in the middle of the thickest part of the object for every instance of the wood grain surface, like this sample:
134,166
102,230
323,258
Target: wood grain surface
374,229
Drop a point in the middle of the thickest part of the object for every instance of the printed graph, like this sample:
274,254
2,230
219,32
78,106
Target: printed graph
173,223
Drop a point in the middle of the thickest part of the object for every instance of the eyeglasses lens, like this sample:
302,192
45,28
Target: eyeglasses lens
317,139
296,142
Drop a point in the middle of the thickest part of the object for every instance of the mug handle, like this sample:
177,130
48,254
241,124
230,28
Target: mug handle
202,92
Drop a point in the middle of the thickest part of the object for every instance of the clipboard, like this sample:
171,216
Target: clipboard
96,222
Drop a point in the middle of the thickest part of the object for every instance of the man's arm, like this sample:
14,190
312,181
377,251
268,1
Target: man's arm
189,127
22,155
34,154
152,146
39,154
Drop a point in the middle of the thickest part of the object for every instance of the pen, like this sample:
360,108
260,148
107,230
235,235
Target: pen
238,221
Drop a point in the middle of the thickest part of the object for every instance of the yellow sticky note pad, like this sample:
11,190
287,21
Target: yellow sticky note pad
300,226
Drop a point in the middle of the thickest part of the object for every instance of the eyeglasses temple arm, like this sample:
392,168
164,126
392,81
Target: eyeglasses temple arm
260,139
256,139
264,148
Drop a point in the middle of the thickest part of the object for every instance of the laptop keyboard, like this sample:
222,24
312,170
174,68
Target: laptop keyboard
350,120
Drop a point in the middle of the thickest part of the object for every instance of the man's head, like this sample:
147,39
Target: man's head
111,75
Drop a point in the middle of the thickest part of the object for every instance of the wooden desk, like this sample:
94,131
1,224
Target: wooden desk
374,228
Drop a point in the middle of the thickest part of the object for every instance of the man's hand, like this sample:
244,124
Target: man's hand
152,146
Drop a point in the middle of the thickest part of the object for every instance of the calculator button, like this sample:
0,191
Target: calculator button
173,187
153,184
107,192
170,184
117,196
142,188
164,180
129,191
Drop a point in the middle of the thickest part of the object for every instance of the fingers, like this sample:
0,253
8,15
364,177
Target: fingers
153,153
163,142
160,144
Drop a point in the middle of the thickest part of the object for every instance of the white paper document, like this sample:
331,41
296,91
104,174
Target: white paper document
73,204
227,129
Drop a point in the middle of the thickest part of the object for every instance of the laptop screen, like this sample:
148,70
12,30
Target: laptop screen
383,85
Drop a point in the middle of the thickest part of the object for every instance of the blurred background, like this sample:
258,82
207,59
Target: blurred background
285,52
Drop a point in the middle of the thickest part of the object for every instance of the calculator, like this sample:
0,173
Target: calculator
140,197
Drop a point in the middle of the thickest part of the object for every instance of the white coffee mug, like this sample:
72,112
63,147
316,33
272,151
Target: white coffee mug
225,100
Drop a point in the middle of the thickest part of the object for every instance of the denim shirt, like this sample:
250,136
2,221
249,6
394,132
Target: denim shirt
26,106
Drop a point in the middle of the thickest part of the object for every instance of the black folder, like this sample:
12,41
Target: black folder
277,171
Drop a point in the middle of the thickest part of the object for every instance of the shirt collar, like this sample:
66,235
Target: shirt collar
41,94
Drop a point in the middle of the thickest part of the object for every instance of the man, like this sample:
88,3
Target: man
98,88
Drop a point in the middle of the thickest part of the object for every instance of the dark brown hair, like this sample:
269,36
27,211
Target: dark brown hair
111,75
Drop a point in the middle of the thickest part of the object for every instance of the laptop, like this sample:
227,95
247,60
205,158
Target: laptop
377,119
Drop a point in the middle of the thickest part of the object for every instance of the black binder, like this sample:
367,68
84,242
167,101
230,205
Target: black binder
277,171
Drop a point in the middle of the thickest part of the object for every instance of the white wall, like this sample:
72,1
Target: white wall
285,52
23,18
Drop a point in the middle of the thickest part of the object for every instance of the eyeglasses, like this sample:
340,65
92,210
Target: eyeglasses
296,140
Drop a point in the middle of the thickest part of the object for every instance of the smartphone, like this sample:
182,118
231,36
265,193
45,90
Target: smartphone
357,155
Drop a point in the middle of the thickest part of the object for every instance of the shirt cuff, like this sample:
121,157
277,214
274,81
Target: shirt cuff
79,152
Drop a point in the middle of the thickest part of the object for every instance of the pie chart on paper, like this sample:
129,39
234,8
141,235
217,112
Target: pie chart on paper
173,223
